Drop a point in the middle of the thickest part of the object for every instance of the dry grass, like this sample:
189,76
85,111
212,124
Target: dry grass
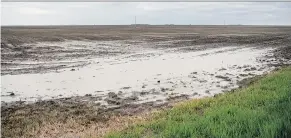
96,130
65,119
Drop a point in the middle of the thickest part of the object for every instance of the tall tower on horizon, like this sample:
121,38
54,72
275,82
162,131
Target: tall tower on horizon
135,21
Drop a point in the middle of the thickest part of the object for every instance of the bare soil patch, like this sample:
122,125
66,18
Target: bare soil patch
41,51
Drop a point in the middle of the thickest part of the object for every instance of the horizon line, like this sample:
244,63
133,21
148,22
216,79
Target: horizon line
155,25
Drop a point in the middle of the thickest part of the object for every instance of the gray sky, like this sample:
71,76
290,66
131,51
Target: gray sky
103,13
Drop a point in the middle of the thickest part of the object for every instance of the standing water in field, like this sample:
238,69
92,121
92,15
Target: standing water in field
157,75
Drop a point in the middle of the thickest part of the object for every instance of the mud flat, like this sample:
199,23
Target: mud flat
160,76
90,77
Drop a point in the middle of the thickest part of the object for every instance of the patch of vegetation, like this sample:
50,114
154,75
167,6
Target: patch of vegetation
28,120
261,110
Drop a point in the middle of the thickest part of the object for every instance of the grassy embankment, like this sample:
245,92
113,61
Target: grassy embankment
263,109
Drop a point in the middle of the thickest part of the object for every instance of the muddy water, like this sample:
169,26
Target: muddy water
154,76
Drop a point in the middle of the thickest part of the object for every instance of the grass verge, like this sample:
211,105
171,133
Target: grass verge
261,110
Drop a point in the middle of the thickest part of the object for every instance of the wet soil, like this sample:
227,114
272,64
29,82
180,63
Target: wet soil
46,48
157,66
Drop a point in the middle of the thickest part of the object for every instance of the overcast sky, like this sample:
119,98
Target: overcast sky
103,13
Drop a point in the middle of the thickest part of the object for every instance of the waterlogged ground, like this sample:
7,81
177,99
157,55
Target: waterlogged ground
78,80
138,76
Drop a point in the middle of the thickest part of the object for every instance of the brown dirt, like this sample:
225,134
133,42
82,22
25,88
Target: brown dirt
72,116
29,44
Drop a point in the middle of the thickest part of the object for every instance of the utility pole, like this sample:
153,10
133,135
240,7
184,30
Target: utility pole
135,21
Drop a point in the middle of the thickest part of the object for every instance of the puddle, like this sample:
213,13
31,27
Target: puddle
152,78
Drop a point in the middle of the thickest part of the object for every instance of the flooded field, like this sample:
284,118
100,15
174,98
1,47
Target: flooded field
134,66
59,77
153,75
